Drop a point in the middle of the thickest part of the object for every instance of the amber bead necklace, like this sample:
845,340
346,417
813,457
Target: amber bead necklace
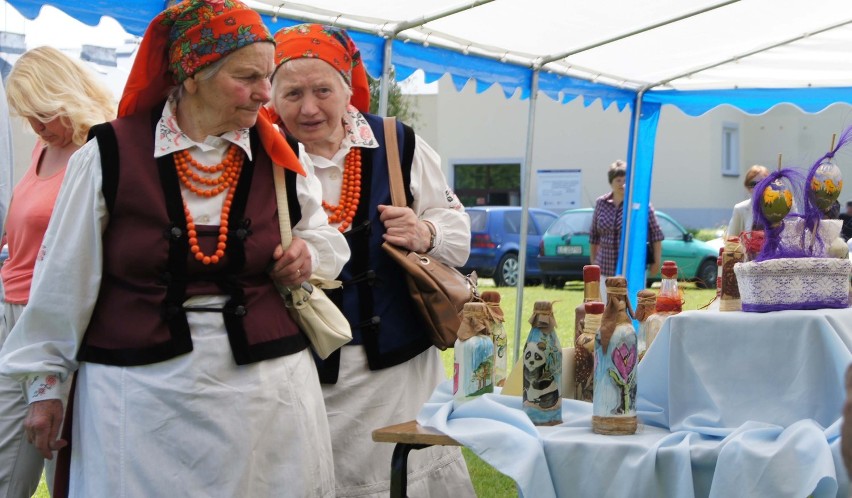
350,192
230,169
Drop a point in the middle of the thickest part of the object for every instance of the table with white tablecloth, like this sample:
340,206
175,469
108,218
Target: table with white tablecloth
730,404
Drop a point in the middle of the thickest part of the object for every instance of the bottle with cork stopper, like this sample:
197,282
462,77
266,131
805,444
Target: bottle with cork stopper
498,334
473,368
616,357
584,352
542,359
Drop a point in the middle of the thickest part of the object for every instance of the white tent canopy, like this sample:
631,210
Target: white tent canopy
694,54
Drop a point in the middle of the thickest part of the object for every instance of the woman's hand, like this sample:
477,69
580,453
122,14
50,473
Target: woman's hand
404,229
42,424
293,266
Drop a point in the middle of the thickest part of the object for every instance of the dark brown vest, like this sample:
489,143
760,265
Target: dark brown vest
148,271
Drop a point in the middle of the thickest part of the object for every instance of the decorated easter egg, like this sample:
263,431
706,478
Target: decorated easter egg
777,200
826,184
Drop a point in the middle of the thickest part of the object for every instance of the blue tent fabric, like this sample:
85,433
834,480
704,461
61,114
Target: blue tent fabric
639,181
133,15
751,100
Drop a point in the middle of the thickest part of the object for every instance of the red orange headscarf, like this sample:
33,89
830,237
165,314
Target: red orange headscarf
188,37
332,45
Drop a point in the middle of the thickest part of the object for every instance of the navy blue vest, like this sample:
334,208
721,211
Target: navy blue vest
375,295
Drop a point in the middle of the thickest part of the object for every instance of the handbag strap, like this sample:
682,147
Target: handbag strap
283,207
394,165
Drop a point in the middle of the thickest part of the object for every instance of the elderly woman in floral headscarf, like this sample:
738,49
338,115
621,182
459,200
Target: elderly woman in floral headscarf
164,253
321,94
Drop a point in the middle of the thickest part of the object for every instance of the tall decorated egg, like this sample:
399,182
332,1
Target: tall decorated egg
776,202
826,184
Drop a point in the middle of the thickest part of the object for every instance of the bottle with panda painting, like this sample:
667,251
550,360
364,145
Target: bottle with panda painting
542,360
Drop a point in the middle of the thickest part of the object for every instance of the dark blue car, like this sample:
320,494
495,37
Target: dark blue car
495,242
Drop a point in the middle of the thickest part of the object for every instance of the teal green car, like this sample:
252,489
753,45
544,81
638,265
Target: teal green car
564,250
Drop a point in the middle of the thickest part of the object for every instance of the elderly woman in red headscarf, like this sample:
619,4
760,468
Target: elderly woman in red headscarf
191,377
321,94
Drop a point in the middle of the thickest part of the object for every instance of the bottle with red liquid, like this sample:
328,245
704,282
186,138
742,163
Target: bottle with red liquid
591,294
669,301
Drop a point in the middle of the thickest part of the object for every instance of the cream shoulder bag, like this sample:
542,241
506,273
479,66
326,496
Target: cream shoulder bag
312,310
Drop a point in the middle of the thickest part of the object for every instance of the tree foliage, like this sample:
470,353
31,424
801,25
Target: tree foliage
399,105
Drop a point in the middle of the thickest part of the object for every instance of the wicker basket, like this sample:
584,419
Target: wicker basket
794,284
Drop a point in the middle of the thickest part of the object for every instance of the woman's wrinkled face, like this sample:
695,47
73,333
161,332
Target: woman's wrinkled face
231,98
52,131
311,102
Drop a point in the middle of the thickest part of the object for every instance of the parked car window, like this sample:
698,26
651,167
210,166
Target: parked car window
670,230
572,224
512,222
478,220
543,220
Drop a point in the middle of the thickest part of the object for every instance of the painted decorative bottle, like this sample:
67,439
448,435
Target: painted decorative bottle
498,334
650,322
614,399
584,352
542,360
733,254
474,355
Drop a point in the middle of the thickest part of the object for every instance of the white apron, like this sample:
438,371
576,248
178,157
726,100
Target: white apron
199,425
362,401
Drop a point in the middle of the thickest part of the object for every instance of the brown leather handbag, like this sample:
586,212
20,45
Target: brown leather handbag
438,290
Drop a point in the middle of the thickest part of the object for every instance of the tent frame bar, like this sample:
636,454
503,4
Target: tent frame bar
750,53
553,58
393,33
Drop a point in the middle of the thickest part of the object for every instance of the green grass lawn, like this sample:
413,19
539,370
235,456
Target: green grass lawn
487,482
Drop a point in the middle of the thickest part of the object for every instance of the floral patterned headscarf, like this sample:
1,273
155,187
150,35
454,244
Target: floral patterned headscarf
186,38
332,45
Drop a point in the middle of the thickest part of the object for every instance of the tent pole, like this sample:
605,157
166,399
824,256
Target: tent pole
386,76
526,180
625,231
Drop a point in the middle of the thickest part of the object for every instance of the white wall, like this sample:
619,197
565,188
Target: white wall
687,183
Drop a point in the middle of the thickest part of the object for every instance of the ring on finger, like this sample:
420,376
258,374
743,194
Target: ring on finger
298,272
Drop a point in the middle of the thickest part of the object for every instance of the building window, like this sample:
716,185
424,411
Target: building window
488,184
730,149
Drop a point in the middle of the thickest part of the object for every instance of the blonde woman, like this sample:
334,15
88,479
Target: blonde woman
61,99
741,219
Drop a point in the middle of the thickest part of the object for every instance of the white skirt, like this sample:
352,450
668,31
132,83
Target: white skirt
200,425
365,400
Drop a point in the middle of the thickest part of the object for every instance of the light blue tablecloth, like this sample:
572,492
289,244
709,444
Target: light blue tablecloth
730,404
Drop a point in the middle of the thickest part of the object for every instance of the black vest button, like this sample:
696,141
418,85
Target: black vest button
240,311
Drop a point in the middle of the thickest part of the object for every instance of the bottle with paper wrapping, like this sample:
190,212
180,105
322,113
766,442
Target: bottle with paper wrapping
498,334
473,368
730,295
542,359
616,357
650,322
584,352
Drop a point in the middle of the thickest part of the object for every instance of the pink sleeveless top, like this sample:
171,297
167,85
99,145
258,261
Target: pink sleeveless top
32,204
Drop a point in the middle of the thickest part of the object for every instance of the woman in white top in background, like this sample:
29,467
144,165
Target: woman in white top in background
742,217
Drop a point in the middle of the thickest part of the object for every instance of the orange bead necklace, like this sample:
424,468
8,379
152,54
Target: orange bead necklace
350,192
231,166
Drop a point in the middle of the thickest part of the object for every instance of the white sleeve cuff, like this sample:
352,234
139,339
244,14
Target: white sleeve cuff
43,386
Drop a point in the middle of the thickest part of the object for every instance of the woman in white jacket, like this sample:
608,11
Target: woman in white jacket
742,219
